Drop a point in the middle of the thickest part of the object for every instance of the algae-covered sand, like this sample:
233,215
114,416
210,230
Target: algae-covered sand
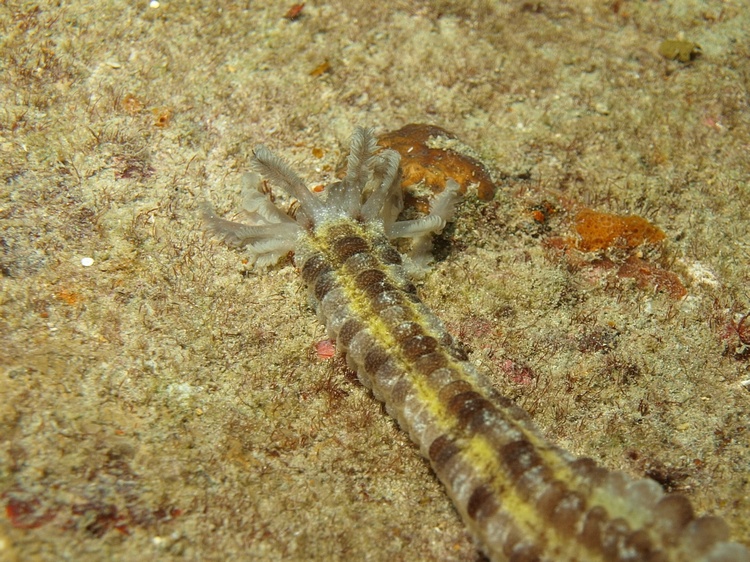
167,401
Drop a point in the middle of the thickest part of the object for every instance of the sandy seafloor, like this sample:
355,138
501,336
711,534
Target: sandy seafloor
167,401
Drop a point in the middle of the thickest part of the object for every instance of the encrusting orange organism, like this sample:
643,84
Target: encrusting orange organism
423,161
601,231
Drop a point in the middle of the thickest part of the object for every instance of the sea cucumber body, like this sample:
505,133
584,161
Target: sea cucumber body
523,498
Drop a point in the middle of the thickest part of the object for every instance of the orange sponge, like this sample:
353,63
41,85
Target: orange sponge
423,161
600,231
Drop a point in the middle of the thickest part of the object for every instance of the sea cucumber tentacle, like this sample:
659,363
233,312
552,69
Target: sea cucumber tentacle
522,497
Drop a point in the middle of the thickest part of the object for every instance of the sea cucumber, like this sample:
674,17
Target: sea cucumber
522,497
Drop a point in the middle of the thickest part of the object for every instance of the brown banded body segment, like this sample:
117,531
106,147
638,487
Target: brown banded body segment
405,330
358,263
324,282
372,282
454,388
348,330
594,525
386,299
388,254
394,315
418,345
386,377
314,265
374,359
472,410
347,246
428,363
441,451
482,503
